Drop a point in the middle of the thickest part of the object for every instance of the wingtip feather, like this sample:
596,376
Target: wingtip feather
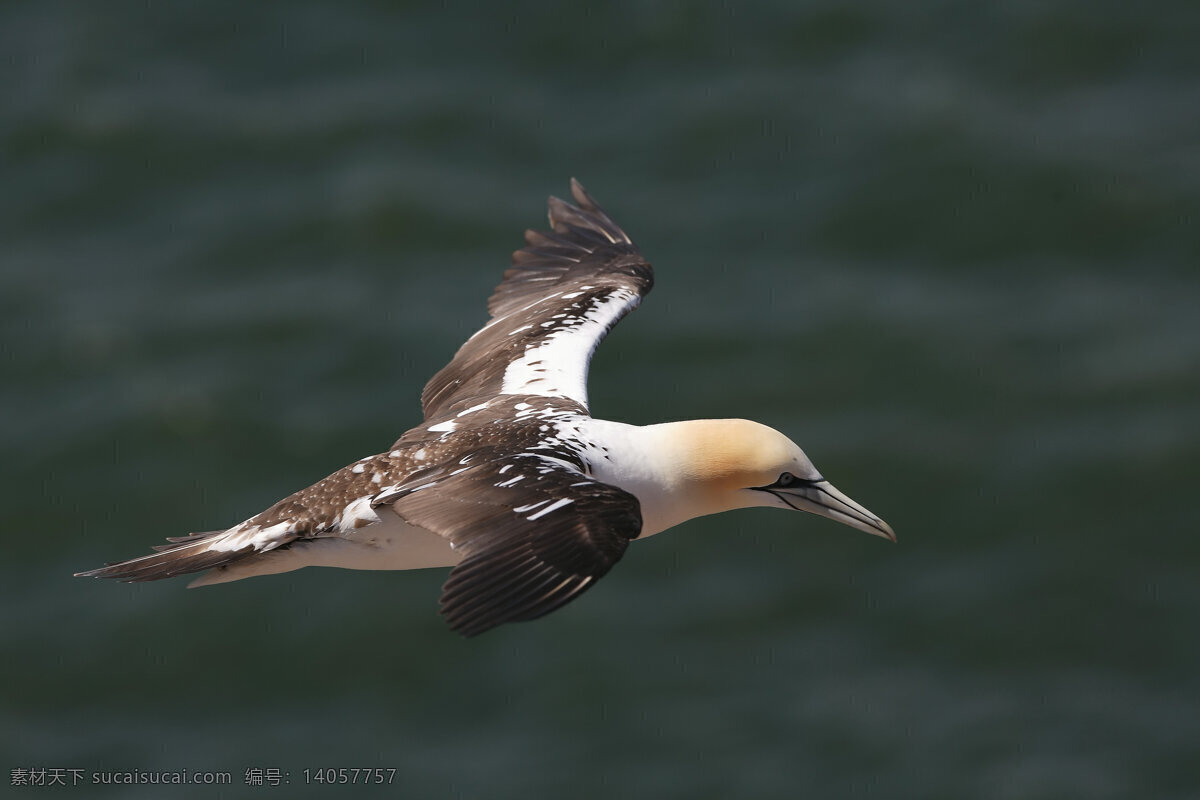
581,196
188,554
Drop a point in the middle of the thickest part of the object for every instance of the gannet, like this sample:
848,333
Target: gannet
509,480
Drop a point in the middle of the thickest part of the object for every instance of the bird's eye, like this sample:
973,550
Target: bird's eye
786,479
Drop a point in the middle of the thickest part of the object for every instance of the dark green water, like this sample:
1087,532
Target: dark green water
952,251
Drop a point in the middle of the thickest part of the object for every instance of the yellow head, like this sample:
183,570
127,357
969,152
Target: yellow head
724,464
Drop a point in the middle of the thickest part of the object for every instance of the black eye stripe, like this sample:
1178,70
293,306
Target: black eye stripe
787,480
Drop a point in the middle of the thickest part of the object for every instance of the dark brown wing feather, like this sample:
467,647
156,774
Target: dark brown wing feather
524,556
188,554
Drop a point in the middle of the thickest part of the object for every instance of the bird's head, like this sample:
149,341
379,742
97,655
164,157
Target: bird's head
736,463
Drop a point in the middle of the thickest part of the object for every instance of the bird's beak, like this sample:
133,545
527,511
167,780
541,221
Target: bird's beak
822,497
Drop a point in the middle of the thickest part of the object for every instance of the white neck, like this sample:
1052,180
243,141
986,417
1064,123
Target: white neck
656,464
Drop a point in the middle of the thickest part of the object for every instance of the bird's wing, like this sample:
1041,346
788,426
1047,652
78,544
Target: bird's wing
336,504
535,532
564,292
191,553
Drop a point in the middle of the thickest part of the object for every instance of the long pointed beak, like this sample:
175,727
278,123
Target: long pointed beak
822,497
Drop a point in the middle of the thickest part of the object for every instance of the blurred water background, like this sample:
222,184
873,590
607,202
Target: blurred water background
950,247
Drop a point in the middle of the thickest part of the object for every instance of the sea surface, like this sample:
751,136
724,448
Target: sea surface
951,248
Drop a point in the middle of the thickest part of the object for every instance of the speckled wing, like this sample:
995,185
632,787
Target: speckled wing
534,530
565,291
335,505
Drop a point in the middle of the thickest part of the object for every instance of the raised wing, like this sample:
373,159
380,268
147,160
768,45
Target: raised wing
564,292
534,530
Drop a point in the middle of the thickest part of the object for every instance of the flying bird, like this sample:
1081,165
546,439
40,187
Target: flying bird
509,479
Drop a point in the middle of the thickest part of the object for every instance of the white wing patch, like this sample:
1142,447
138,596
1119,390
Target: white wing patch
261,539
557,365
556,504
471,410
357,514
